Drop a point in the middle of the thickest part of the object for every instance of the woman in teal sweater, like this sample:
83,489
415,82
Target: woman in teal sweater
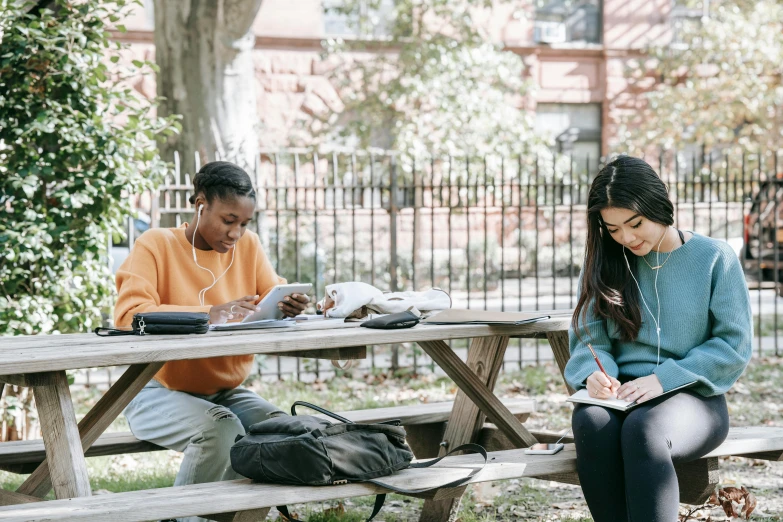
661,308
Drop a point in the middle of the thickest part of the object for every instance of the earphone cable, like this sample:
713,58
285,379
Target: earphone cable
657,298
202,293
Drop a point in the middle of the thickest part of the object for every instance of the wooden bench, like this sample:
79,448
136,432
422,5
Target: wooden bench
423,423
251,502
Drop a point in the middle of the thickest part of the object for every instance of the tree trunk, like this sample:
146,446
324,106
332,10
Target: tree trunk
204,51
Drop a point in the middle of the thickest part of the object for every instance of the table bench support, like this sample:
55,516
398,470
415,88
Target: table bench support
66,464
90,428
11,498
697,480
479,390
485,359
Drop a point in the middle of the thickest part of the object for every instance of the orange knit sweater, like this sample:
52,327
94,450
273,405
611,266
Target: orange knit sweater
159,275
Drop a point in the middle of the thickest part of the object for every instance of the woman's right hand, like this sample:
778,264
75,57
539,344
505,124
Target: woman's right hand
237,309
599,387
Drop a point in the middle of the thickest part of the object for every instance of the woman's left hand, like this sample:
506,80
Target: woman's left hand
293,305
641,389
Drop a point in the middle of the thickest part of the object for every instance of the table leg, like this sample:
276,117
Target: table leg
475,379
92,425
562,352
67,466
478,390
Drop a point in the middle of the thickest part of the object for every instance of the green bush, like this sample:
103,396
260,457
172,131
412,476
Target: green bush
75,145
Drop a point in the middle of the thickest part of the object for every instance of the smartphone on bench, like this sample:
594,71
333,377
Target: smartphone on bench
544,448
267,308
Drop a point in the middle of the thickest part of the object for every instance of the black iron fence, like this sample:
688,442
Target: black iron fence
496,233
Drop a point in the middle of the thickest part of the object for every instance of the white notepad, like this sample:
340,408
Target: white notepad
583,397
253,325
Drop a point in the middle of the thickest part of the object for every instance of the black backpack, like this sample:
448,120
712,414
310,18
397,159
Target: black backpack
307,450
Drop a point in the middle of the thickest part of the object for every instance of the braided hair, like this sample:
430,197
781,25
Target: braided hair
222,180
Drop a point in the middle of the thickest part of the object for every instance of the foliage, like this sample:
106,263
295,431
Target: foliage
719,85
435,85
75,144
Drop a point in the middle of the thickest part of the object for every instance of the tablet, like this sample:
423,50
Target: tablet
267,308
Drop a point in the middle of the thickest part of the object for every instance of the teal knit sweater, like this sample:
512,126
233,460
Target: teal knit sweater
706,324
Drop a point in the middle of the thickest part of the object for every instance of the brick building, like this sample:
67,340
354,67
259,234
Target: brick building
575,51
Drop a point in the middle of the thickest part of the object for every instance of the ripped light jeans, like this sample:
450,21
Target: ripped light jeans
202,426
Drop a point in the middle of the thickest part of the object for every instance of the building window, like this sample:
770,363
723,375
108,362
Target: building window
576,128
373,19
684,18
562,21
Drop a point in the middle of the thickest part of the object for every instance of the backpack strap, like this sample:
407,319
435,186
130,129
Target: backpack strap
109,332
454,483
380,499
318,409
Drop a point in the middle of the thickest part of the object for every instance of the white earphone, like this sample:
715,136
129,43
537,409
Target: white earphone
658,300
204,290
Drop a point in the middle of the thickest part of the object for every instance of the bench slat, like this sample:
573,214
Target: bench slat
750,439
241,495
427,413
32,451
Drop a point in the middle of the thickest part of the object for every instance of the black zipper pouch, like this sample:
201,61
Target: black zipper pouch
404,319
161,323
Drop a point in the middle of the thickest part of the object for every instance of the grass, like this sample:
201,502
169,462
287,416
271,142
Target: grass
753,401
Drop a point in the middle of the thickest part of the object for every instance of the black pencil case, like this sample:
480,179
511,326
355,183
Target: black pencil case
158,323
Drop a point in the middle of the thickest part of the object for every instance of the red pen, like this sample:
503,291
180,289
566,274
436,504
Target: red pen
600,366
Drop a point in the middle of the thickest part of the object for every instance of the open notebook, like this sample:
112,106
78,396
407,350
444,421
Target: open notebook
583,397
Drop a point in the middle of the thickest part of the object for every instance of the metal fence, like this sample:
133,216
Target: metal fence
496,233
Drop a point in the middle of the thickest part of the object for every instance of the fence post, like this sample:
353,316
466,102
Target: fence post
395,355
393,224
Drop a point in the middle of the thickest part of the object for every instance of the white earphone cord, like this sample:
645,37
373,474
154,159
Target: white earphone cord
657,299
202,293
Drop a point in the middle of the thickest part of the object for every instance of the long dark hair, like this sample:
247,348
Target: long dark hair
222,180
632,184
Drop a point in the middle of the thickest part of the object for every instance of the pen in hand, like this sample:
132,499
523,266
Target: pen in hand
600,366
598,362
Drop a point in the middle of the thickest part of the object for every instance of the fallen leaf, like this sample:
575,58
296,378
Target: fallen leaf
750,504
728,508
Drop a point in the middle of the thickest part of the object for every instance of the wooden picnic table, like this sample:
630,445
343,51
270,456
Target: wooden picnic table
42,361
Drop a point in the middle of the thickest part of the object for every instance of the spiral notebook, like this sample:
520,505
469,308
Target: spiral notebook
583,397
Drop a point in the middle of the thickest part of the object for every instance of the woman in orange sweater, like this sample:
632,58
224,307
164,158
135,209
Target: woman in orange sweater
215,266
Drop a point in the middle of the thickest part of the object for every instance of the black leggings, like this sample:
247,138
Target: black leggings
626,461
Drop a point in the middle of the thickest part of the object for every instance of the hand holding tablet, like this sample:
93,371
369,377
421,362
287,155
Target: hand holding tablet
268,307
